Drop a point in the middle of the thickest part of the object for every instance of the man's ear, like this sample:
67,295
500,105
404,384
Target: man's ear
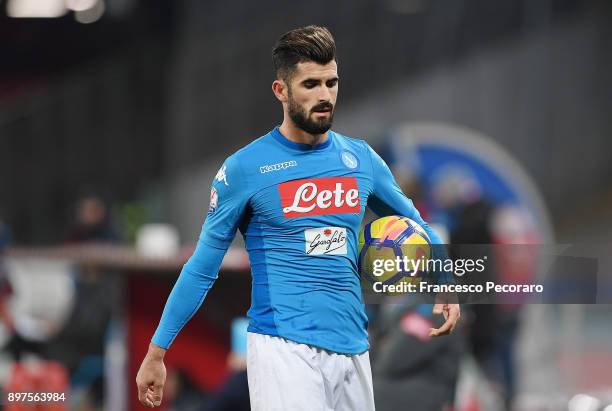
279,88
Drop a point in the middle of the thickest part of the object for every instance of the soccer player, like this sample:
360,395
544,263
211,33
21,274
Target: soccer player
297,195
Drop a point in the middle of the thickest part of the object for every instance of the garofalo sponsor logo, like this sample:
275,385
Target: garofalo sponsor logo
319,196
278,166
325,240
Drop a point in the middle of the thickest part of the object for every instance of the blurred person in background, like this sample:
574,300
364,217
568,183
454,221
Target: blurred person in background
308,342
92,221
492,327
182,393
40,296
29,334
80,344
234,394
408,364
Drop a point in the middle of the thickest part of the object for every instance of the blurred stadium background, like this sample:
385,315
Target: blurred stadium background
116,114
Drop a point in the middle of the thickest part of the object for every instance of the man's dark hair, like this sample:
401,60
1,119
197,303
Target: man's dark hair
310,43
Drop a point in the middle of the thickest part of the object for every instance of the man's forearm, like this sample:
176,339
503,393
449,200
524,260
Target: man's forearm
187,295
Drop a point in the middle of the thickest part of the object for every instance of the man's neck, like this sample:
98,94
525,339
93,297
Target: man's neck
297,135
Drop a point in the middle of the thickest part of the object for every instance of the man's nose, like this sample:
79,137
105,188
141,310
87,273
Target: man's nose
324,94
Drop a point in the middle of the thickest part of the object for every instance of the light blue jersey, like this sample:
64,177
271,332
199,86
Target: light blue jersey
299,208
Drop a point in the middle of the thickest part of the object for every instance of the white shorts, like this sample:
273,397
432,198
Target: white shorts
288,376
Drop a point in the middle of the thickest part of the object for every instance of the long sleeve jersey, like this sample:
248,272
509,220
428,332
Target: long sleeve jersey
299,208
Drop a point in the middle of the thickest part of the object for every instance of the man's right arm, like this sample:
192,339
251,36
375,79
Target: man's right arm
227,205
228,202
196,278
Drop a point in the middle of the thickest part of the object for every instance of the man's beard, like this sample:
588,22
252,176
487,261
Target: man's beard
303,120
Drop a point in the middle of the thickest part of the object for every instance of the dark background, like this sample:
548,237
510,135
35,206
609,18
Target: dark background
155,89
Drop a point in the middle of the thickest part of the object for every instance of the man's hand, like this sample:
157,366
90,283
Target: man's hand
447,306
152,377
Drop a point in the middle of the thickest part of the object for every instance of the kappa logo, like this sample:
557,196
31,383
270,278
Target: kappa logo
318,196
221,176
278,166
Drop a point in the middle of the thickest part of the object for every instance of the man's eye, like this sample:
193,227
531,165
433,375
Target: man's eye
332,83
310,84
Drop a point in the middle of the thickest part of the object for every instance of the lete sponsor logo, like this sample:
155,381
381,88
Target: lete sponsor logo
318,196
325,240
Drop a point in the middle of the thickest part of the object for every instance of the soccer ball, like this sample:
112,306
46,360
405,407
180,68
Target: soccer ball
384,243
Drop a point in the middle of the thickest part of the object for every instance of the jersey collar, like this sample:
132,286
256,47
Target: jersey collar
278,136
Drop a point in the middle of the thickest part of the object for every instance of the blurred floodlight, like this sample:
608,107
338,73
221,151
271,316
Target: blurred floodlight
81,5
583,402
36,8
157,241
92,14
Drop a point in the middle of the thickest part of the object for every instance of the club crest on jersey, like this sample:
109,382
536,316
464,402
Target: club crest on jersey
349,159
325,241
214,198
221,176
319,196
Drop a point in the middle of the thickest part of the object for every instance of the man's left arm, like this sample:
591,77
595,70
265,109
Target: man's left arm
387,199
